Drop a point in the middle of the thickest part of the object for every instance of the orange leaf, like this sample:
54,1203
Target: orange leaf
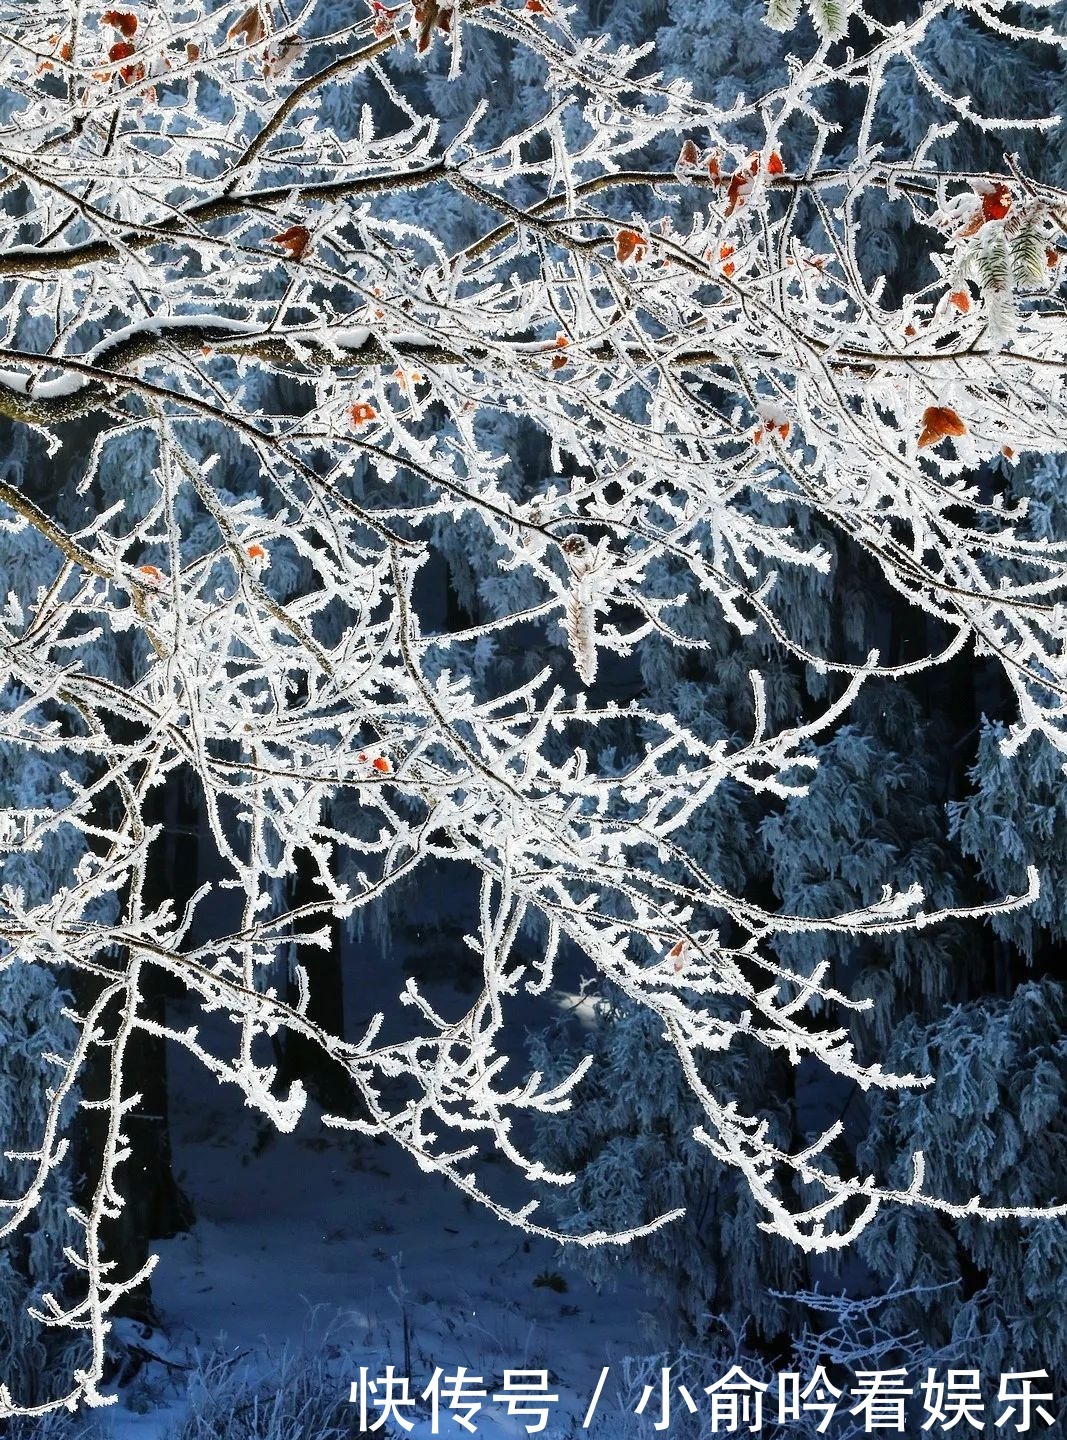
121,20
675,952
627,243
961,299
939,421
381,765
774,164
1007,452
256,552
192,52
65,50
296,240
151,573
713,169
362,414
559,362
689,154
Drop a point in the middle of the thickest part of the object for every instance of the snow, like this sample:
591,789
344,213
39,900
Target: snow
343,338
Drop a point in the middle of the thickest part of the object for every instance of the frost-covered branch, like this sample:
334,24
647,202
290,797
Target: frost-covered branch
297,332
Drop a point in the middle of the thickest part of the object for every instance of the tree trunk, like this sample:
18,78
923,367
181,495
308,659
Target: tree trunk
299,1059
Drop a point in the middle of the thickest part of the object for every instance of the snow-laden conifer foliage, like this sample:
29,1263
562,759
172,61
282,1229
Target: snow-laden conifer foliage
290,335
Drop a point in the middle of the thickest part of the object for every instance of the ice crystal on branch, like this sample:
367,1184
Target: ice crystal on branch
296,329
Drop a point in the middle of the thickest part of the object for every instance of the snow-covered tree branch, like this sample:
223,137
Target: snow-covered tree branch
279,323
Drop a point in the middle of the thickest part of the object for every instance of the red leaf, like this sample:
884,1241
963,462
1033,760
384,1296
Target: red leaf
249,26
281,56
996,203
128,74
121,20
362,414
961,299
296,240
385,18
939,421
431,15
381,765
64,51
689,155
627,243
774,164
734,195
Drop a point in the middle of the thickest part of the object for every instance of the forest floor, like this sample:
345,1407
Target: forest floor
333,1241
